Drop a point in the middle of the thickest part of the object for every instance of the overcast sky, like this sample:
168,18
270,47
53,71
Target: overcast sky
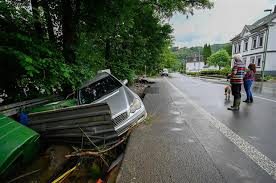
219,24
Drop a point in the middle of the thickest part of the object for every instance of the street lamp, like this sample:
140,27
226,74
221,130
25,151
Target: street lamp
266,10
265,46
198,66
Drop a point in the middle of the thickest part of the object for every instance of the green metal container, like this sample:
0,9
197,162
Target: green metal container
54,105
18,144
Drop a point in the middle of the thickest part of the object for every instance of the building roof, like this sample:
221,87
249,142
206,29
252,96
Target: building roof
259,23
263,21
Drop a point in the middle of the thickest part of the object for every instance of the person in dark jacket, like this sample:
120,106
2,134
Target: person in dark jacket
236,80
248,82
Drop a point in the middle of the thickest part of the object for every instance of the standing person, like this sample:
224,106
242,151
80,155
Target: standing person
236,80
248,81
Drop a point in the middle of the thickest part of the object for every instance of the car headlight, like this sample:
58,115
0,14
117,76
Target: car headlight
136,104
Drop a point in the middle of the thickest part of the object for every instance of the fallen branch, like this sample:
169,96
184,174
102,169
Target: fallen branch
95,146
24,175
98,153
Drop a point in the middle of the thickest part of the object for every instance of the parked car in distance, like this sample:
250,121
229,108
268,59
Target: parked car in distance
165,72
127,109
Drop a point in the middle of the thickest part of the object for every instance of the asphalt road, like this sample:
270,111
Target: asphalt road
192,137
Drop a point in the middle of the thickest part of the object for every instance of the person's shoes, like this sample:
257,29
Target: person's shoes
236,105
246,101
251,100
233,108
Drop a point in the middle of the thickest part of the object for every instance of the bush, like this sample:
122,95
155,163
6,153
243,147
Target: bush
210,72
225,71
193,73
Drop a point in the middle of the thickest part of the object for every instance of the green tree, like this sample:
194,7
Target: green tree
54,46
209,51
169,60
220,58
206,53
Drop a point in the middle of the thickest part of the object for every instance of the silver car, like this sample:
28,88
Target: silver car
126,107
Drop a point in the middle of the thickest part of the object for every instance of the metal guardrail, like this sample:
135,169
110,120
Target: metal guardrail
12,109
68,125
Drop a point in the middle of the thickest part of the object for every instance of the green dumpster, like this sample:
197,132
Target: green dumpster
53,106
18,144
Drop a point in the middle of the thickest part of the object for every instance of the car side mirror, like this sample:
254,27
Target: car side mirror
125,81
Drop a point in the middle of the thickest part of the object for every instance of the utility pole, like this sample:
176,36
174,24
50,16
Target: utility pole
265,46
145,70
184,70
265,51
198,67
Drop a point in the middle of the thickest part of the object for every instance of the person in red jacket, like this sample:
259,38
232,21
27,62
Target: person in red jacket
248,82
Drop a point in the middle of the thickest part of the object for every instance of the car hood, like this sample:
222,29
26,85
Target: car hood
118,101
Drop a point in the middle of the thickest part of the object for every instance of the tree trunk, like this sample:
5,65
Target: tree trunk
70,23
36,17
50,28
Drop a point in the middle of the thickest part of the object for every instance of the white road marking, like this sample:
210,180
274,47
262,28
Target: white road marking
253,153
255,96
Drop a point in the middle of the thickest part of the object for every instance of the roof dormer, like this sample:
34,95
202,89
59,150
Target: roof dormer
245,31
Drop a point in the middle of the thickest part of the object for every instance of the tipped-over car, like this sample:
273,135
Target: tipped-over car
127,109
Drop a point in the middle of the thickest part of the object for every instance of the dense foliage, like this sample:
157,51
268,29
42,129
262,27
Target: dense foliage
184,53
53,46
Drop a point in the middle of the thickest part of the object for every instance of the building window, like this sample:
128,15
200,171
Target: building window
254,43
261,40
252,60
245,46
239,46
235,48
259,61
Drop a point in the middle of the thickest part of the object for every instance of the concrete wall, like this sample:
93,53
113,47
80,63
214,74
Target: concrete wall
270,64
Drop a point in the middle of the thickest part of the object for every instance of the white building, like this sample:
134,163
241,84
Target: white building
257,44
194,64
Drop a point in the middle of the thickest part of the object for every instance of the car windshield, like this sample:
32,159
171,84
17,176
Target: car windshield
98,89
